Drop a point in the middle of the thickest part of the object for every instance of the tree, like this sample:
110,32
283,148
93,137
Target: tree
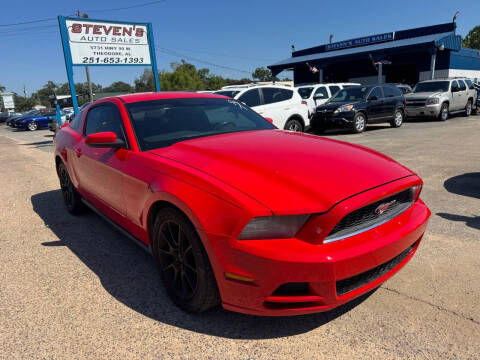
472,40
119,86
145,82
262,74
183,77
23,103
2,88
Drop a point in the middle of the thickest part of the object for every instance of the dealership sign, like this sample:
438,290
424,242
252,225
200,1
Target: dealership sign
93,42
88,42
8,102
367,40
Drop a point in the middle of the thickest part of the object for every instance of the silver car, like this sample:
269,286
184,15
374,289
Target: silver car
440,98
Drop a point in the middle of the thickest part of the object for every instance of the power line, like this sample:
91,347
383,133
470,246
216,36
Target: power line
191,58
100,10
223,55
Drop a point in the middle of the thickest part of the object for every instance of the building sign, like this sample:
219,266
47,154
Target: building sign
93,42
367,40
8,102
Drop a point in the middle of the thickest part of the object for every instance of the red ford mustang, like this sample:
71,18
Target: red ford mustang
235,211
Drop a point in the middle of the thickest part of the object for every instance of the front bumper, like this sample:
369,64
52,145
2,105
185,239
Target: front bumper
359,263
330,119
423,111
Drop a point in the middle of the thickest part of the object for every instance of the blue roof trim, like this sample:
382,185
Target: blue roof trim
428,40
450,42
465,59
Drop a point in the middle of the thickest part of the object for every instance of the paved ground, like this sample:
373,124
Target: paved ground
72,287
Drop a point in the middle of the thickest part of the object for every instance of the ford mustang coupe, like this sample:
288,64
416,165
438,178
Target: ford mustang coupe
235,211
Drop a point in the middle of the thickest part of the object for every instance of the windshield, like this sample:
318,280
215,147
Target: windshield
354,93
161,123
305,92
229,93
431,86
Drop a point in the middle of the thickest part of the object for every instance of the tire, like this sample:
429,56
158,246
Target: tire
184,267
71,198
443,116
359,123
294,125
32,126
398,118
468,108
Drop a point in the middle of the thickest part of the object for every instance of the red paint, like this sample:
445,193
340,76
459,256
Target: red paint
221,182
101,138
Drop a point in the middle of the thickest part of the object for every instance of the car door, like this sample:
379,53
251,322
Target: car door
463,98
99,171
389,102
456,96
323,92
375,106
278,106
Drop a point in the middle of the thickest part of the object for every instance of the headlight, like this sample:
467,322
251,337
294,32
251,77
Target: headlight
343,108
273,227
433,101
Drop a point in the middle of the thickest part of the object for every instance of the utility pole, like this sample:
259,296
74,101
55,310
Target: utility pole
331,38
87,71
24,91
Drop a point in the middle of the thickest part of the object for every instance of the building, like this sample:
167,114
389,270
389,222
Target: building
405,56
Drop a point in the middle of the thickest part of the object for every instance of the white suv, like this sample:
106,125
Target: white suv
282,104
318,94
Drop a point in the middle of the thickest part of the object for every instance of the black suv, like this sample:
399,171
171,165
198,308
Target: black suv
355,107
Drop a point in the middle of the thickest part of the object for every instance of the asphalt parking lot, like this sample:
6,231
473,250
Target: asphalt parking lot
73,287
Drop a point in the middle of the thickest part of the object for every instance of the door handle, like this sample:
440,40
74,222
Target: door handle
78,151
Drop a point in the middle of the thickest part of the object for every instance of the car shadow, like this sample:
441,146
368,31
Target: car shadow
467,184
129,274
470,221
334,132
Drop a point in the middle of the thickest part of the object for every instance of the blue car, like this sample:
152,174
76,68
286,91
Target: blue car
34,121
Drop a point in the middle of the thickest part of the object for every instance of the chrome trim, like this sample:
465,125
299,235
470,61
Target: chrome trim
327,240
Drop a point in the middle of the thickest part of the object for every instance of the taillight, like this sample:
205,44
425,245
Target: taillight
304,102
404,101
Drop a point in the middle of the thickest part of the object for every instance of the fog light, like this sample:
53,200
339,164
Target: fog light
233,276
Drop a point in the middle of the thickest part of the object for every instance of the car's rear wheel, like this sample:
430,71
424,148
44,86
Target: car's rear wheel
183,263
71,198
294,125
443,116
468,108
32,126
397,120
359,123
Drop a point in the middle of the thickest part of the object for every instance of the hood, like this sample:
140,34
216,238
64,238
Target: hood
287,172
422,95
334,105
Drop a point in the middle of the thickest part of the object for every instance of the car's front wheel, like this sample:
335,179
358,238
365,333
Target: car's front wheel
468,108
359,123
294,125
443,116
32,126
397,120
71,198
183,263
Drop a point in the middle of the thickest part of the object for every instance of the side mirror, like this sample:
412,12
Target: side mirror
269,120
104,140
372,98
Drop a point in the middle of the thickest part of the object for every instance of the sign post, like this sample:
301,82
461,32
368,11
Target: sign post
105,43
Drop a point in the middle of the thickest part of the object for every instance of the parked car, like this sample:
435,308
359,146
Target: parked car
318,94
356,107
440,98
235,211
280,103
406,89
35,121
4,116
11,119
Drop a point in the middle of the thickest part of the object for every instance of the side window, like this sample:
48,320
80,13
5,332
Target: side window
76,121
376,92
322,90
104,118
334,89
250,97
286,94
462,85
469,84
454,86
388,91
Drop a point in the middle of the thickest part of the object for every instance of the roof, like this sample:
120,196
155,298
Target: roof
147,96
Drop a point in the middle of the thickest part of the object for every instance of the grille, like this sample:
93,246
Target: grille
416,103
371,215
346,285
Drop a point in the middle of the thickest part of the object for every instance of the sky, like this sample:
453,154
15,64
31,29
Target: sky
241,35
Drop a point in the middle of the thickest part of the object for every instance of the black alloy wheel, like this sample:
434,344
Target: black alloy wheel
183,263
71,198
